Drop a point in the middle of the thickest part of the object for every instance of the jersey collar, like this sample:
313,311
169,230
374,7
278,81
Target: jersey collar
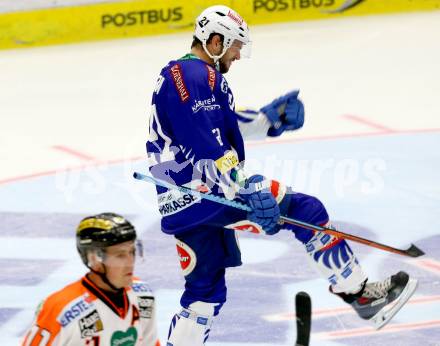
189,56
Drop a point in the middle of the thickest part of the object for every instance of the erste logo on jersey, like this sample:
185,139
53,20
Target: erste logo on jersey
145,306
211,77
176,72
73,310
90,325
187,257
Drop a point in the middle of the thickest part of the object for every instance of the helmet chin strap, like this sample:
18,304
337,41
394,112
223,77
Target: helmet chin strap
104,278
216,58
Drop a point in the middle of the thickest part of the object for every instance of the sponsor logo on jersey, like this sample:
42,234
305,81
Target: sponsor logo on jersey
145,306
176,72
207,105
227,162
140,287
211,77
73,310
128,338
187,257
90,324
173,201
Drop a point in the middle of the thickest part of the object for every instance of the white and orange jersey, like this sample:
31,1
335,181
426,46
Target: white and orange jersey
82,314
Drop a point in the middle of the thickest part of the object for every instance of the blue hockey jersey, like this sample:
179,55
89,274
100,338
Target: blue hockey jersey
194,138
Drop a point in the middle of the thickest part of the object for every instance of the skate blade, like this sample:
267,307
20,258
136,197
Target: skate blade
387,313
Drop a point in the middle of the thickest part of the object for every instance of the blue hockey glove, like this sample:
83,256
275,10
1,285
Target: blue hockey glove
265,210
285,113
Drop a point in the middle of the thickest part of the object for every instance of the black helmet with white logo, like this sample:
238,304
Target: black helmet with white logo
101,231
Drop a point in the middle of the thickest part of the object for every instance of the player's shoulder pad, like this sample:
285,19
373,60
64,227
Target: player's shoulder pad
66,305
191,76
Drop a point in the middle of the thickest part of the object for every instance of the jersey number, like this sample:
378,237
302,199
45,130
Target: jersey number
216,131
93,342
44,336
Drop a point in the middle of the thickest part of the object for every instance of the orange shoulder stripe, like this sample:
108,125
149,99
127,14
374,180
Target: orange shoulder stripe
55,303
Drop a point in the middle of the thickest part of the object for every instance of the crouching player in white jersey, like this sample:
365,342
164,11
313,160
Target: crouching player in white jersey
105,307
196,140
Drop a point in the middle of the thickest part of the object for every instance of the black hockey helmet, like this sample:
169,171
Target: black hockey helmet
101,231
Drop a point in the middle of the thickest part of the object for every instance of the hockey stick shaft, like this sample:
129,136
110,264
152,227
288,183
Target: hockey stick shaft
303,311
412,251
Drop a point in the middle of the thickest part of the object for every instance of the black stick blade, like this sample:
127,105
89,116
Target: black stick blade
303,306
414,251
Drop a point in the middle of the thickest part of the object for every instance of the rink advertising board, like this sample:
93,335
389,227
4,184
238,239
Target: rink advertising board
98,22
270,11
153,17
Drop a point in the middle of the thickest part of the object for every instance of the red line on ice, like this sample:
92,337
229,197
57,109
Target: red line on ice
339,136
65,169
391,328
348,310
428,264
249,144
74,152
368,123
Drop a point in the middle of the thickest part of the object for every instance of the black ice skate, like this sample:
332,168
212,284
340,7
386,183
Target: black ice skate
380,301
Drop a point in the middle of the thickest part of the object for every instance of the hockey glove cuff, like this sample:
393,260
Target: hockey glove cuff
265,209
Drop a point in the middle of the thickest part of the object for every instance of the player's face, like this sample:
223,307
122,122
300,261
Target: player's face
232,54
119,262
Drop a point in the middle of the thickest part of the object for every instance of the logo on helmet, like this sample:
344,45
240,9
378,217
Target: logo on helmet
119,220
235,17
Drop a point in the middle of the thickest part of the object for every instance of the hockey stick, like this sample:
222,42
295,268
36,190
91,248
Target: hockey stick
412,251
303,311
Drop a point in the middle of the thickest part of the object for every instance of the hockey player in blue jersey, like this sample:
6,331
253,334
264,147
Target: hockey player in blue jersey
196,140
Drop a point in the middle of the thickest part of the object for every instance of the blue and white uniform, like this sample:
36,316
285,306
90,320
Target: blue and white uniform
193,130
195,137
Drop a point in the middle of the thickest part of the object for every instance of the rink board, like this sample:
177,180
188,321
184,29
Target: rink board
154,17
